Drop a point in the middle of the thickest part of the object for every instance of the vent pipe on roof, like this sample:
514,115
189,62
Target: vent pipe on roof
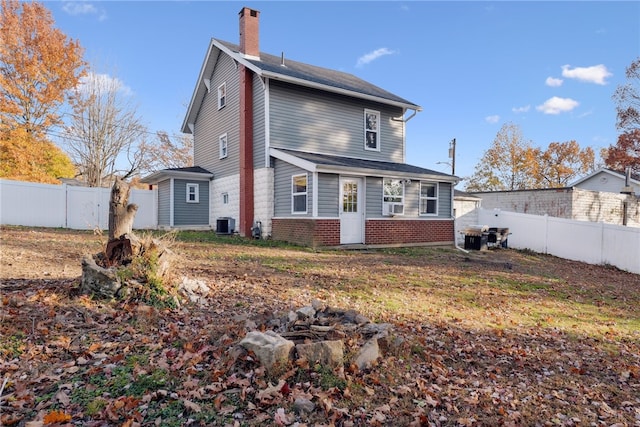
282,60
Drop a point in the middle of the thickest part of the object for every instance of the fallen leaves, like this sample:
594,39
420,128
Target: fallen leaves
104,363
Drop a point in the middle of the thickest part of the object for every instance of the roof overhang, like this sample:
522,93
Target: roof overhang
165,174
213,53
355,171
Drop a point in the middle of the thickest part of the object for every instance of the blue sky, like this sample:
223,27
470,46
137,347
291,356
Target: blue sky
549,67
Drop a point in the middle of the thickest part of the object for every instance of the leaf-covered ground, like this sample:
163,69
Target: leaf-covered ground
492,338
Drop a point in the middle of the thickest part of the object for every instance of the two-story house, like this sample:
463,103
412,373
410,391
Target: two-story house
301,154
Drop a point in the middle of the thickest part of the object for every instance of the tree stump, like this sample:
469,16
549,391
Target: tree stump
121,213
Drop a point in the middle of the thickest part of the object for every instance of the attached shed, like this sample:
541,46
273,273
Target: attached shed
183,197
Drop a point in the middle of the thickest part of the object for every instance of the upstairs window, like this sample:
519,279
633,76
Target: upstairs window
223,146
222,95
428,198
392,197
193,195
299,194
371,130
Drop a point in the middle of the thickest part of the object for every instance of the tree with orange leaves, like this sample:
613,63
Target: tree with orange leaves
563,162
39,66
626,153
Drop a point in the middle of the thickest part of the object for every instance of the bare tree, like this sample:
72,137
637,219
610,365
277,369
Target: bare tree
169,152
105,129
627,97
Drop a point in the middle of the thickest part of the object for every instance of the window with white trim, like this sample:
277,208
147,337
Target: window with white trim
392,197
193,193
371,130
222,95
428,198
222,142
299,194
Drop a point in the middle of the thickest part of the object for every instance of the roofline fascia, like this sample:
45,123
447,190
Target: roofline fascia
276,76
606,170
185,124
174,174
333,89
346,170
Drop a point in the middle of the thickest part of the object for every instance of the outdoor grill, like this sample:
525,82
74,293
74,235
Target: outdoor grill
483,237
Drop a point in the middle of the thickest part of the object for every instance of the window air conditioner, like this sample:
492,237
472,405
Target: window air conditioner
395,208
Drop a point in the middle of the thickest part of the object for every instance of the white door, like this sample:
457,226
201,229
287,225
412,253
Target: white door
351,211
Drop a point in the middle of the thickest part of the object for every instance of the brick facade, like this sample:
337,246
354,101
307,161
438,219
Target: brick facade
399,232
307,231
326,232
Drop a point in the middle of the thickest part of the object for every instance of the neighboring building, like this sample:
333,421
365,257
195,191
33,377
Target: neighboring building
609,181
465,208
567,202
310,155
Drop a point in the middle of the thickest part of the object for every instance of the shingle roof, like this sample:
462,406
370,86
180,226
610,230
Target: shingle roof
373,165
319,75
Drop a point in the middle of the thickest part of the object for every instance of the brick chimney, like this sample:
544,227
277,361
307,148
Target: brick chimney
249,32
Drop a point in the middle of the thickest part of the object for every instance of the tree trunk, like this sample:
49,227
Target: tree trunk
121,213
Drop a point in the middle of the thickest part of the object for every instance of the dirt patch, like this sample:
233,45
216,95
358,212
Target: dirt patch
498,338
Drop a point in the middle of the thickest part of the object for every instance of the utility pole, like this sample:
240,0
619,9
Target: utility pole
452,155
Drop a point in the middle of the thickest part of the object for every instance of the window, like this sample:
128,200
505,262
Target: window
222,95
299,194
223,146
371,130
193,195
392,197
428,198
225,198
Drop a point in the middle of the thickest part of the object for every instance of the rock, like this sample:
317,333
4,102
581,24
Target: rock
97,281
367,354
327,353
269,347
306,313
303,406
195,291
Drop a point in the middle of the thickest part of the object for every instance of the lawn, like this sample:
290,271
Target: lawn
502,337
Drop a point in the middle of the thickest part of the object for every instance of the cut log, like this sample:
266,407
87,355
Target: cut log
121,213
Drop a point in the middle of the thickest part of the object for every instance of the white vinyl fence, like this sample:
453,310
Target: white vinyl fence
68,206
590,242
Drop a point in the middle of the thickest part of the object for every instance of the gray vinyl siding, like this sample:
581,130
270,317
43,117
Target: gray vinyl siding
190,213
328,195
411,199
309,120
374,197
283,172
211,122
444,200
259,138
164,203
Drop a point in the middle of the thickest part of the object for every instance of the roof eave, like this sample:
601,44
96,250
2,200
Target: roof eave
328,88
162,175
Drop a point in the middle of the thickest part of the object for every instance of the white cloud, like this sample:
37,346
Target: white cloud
492,119
105,82
372,56
521,109
557,105
83,8
594,74
553,82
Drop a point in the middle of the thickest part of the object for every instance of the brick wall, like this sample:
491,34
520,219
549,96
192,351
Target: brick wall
306,231
397,231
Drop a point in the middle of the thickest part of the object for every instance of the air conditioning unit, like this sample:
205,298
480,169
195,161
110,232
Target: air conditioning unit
225,225
395,209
